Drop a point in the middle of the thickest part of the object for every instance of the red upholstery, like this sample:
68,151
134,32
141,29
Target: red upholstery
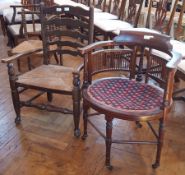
123,94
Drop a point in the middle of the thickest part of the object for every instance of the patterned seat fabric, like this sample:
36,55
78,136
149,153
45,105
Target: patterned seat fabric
123,94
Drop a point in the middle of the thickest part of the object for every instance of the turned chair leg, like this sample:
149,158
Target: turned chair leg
160,143
108,141
15,93
15,98
85,115
76,104
3,25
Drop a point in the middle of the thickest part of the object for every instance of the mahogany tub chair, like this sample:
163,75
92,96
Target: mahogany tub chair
61,36
125,98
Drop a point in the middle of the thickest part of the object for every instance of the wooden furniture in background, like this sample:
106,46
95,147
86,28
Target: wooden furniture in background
179,20
62,36
128,16
28,35
18,32
127,99
4,5
13,27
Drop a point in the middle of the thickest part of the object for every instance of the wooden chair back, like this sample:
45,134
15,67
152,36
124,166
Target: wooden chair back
177,20
25,2
33,28
63,35
85,2
131,10
159,15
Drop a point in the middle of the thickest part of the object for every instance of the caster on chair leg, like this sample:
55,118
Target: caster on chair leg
138,124
109,167
17,120
84,136
155,165
77,133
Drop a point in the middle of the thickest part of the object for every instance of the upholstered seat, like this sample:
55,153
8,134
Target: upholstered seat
5,4
117,32
8,13
104,16
125,95
74,4
15,29
65,2
53,77
111,25
86,7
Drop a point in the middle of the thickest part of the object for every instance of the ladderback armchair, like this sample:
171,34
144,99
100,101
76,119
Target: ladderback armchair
64,30
123,97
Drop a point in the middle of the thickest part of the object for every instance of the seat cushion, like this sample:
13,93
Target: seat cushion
104,16
117,32
8,13
5,4
74,4
111,25
15,29
65,2
51,77
125,95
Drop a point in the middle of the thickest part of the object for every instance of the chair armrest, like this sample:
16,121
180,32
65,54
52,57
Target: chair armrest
92,46
173,63
21,55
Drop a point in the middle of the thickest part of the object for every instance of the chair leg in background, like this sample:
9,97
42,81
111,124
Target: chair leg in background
160,143
108,141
